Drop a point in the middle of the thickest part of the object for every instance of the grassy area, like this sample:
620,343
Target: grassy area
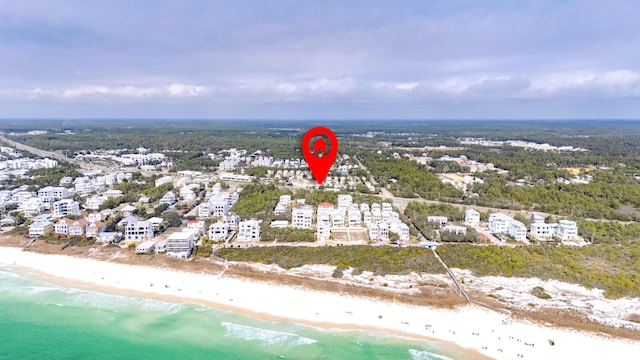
379,260
611,267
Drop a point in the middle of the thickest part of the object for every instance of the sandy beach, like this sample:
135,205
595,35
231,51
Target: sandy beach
492,334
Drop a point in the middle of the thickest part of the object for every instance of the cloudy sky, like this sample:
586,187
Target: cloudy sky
320,59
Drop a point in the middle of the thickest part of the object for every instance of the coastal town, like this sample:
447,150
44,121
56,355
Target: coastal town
249,213
81,206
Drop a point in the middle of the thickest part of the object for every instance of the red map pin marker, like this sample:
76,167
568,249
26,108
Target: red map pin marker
319,154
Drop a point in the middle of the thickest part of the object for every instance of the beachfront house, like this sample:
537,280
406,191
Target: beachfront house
137,232
40,228
219,231
161,246
180,244
109,237
94,228
302,218
77,227
146,247
323,233
61,226
249,230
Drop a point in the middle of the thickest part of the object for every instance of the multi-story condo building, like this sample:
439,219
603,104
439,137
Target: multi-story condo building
302,217
180,244
249,230
65,207
138,231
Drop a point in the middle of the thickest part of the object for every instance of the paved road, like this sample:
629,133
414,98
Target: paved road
51,154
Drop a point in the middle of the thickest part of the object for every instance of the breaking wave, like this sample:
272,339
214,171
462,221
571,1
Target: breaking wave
268,337
426,355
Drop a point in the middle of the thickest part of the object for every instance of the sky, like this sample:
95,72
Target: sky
326,59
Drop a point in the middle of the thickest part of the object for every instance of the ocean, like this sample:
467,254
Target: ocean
42,320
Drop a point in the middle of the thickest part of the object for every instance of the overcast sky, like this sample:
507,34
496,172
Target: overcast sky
320,59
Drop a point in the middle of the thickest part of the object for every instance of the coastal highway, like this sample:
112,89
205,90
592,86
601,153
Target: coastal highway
50,154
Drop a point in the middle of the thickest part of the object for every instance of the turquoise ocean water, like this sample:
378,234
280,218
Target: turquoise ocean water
41,320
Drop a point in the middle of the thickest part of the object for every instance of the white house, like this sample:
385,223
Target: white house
383,231
471,217
302,218
163,180
219,231
95,202
323,233
517,230
232,220
180,244
367,217
169,198
373,231
442,220
337,218
542,231
65,207
456,229
32,207
249,230
128,210
146,247
344,201
537,218
94,228
355,218
138,231
39,228
567,230
403,230
62,226
279,224
499,223
376,215
109,237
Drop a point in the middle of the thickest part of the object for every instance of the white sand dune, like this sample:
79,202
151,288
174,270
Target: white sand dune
492,334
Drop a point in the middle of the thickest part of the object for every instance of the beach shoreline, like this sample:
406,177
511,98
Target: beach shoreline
480,332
